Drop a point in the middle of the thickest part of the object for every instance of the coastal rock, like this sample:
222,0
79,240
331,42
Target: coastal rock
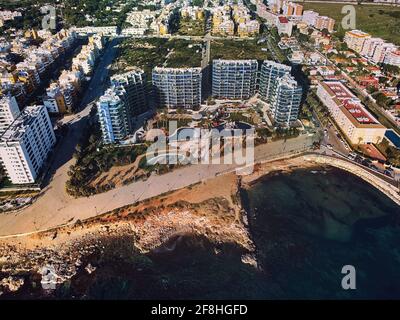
90,269
50,278
12,284
250,259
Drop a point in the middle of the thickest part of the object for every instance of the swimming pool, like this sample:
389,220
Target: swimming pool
393,137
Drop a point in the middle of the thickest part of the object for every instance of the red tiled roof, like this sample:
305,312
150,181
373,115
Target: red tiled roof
371,151
283,20
358,112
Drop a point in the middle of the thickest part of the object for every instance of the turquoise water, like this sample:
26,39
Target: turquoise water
306,226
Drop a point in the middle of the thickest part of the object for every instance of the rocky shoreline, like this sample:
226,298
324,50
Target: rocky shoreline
213,209
41,262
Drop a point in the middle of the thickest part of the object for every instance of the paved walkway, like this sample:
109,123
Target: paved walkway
55,207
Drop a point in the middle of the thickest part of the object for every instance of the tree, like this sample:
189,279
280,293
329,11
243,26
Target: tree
325,32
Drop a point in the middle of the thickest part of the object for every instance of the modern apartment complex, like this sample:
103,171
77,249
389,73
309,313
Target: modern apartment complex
393,58
375,49
236,17
292,9
106,30
359,125
177,87
286,99
59,99
131,87
323,22
369,47
284,25
270,72
355,39
112,116
281,91
234,79
25,145
121,103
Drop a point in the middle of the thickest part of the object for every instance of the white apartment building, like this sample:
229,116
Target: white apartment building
140,21
85,60
9,111
107,31
381,51
355,121
310,17
25,145
370,45
132,31
284,26
393,58
59,98
71,77
267,15
98,40
355,39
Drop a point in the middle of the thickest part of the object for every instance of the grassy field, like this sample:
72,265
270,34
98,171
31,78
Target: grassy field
380,21
186,53
150,53
190,27
233,49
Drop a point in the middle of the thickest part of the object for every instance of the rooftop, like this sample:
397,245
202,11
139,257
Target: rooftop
243,61
351,105
283,19
359,113
358,33
338,89
18,128
176,70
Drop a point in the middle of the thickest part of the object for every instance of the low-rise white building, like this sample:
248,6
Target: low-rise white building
284,26
355,121
392,58
107,31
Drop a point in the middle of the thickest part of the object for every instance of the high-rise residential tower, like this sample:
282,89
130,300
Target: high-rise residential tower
131,87
25,145
120,104
234,79
112,116
270,72
286,99
177,87
9,111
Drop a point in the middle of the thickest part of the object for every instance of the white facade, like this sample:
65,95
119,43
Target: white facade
393,58
355,121
284,26
381,51
355,39
9,111
26,144
370,46
108,31
133,31
310,17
